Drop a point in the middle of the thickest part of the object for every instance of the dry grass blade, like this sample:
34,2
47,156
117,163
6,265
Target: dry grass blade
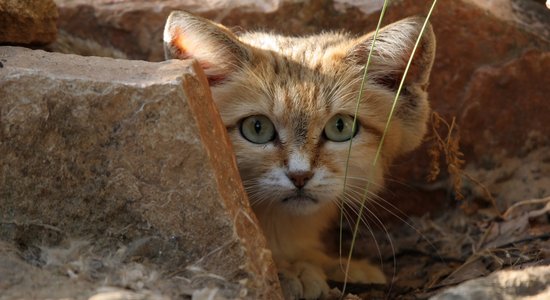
381,143
359,96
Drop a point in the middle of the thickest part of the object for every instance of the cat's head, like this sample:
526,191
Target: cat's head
288,105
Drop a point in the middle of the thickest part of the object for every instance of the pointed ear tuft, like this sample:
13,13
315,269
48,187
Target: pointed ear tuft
391,53
215,47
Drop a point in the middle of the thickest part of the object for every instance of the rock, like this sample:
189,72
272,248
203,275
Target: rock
136,28
28,22
529,283
528,15
505,105
131,157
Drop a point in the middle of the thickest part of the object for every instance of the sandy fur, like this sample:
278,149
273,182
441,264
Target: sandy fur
300,83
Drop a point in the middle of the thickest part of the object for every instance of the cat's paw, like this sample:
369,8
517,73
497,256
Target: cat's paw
291,285
360,271
303,281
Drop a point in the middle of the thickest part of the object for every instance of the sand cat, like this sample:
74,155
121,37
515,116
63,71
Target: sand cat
288,106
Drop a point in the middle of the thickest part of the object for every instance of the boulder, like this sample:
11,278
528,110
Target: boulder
135,28
30,22
506,107
122,165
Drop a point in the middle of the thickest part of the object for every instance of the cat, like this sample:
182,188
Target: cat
288,106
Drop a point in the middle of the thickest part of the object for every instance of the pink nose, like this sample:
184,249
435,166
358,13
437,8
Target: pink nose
300,178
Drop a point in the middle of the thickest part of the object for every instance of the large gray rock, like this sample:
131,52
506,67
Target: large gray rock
132,158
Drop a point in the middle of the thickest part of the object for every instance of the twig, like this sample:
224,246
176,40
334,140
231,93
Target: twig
523,203
485,191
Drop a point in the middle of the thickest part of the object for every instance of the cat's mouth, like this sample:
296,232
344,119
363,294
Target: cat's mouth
300,197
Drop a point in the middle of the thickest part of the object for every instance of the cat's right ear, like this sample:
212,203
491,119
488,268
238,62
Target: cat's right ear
215,47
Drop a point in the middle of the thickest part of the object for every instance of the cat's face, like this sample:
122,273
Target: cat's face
291,127
289,104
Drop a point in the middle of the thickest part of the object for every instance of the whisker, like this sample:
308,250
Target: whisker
378,201
363,179
361,219
370,214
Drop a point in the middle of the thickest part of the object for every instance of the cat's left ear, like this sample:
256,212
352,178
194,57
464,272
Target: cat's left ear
393,48
391,53
216,48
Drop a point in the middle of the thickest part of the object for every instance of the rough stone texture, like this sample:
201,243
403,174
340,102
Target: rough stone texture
513,98
130,157
529,283
529,15
135,28
28,22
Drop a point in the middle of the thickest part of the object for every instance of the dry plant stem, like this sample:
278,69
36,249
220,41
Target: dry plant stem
516,205
485,191
507,216
359,96
450,148
39,224
377,156
481,241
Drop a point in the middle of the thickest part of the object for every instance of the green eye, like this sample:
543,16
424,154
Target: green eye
339,128
257,129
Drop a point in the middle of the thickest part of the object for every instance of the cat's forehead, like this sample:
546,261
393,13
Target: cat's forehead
296,82
295,90
308,50
298,74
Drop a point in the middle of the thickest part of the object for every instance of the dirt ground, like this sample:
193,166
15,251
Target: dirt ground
502,222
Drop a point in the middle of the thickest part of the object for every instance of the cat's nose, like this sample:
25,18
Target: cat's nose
300,178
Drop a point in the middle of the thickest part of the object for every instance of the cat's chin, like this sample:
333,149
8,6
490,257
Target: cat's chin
300,199
300,205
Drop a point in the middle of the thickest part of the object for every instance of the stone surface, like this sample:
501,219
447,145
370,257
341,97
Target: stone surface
135,28
132,158
506,105
529,15
529,283
28,22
